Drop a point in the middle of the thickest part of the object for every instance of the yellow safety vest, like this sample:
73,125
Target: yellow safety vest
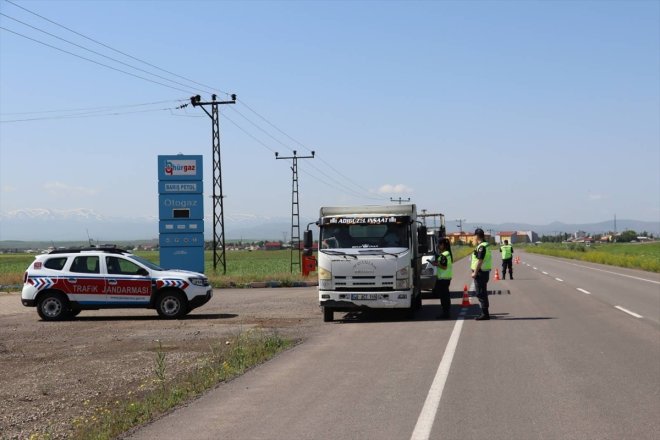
446,274
488,259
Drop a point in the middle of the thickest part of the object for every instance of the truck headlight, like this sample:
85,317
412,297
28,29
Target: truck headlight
324,274
403,279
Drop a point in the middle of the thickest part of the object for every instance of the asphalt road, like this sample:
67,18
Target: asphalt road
556,363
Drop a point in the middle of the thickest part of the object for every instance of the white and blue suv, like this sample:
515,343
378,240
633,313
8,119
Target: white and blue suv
65,281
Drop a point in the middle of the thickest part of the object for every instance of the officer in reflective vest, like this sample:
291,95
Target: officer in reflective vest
481,264
507,259
444,263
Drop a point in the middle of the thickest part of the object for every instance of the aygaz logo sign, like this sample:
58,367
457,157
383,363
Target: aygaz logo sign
181,167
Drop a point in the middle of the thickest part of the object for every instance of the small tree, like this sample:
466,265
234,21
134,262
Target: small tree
627,236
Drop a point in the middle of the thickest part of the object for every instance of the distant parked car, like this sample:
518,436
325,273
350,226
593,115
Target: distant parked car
63,282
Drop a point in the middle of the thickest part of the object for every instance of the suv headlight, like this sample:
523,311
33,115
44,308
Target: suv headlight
198,281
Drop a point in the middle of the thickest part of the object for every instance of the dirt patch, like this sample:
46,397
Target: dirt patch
55,372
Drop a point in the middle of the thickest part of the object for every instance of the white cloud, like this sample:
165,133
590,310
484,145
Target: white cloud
62,189
596,197
8,189
399,188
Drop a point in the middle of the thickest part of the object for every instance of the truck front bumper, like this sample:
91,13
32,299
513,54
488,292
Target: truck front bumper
346,301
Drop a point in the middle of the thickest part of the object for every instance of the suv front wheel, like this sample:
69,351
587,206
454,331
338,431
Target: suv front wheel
172,305
53,307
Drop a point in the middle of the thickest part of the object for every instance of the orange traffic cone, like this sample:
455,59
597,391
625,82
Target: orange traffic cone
517,260
497,274
466,297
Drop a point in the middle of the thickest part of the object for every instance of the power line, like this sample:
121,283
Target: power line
87,115
103,108
93,61
93,51
321,171
113,49
348,190
302,145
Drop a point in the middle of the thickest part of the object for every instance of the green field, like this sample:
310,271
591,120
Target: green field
644,256
242,267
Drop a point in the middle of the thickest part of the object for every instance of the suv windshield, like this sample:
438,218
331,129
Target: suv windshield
146,262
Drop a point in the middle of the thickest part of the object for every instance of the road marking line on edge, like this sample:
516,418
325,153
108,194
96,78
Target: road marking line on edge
560,280
616,273
426,418
584,291
544,273
534,268
628,312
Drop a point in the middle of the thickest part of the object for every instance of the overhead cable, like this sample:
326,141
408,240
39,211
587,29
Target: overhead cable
301,144
93,61
113,49
95,52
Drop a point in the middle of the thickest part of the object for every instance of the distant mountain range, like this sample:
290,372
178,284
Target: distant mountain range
79,224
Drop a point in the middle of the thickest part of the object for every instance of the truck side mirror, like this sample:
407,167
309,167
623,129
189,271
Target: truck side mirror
308,239
422,241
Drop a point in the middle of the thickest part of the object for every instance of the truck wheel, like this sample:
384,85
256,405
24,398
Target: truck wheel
53,307
328,315
171,305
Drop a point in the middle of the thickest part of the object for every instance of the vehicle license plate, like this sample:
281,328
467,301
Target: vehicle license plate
364,296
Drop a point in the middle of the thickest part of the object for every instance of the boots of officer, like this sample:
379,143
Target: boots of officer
484,315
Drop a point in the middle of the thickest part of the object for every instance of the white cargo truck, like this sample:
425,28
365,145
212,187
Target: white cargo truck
369,258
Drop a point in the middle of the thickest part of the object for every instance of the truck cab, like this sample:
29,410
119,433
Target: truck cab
369,258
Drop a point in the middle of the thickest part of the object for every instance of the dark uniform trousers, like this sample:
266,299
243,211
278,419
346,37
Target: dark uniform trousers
481,285
441,289
508,262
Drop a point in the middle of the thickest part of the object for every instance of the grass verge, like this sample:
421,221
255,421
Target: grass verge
225,361
644,256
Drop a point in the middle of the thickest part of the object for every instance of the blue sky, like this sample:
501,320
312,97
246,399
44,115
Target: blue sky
489,111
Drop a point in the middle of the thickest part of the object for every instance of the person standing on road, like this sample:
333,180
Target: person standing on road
481,264
444,263
507,259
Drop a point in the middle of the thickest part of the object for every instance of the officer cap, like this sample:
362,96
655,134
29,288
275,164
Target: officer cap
479,232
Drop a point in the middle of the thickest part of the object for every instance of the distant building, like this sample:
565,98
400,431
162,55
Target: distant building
466,238
272,245
517,237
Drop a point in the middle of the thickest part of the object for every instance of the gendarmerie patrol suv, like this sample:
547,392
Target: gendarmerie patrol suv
65,281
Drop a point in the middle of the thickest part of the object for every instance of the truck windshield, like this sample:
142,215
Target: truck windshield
364,236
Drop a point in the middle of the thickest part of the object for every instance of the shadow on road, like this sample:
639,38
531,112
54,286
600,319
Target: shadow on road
154,317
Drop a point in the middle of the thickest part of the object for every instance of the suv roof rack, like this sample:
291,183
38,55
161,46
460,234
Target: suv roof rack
109,250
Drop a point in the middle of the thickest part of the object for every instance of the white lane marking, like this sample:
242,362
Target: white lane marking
426,418
544,273
628,312
560,280
584,291
534,268
616,273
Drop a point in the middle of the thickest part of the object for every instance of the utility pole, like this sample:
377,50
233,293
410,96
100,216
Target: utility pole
400,200
218,212
460,224
295,206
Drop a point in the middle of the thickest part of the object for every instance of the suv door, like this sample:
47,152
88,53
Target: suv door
128,284
84,282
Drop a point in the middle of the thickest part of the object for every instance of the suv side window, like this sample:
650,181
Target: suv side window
85,265
120,266
55,263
